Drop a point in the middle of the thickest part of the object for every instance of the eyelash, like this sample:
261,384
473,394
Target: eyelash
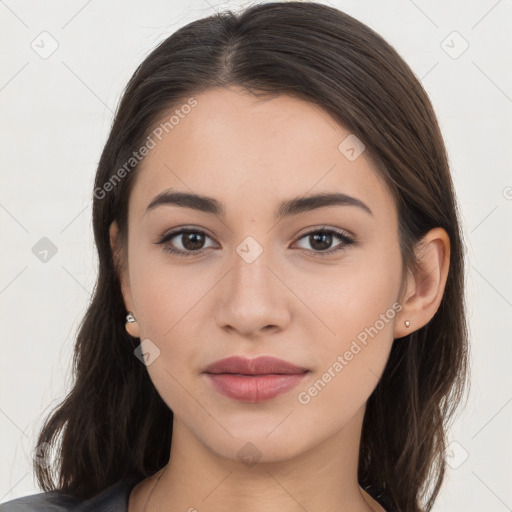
344,237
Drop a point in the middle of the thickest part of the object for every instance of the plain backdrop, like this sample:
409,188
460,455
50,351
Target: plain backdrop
63,67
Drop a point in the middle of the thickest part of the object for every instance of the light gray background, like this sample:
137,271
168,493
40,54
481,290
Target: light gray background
56,113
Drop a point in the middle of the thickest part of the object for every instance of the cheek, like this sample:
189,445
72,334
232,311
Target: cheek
351,361
356,310
164,293
167,300
357,290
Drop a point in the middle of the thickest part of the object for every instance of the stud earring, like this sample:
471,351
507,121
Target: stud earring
131,329
407,323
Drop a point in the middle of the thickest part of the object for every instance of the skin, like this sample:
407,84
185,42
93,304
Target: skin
291,303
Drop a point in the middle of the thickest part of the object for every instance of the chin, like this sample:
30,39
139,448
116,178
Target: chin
255,445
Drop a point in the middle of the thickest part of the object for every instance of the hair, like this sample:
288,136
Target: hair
113,424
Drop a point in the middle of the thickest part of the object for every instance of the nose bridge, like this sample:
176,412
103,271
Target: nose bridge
252,297
250,272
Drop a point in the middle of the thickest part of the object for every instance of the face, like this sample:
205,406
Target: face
317,286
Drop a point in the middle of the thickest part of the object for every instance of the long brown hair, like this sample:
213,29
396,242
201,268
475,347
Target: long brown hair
113,424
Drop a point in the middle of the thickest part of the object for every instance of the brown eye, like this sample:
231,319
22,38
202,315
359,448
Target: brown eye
191,240
322,239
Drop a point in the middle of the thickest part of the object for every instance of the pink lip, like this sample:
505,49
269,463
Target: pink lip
254,380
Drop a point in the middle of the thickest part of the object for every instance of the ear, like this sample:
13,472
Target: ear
121,265
424,291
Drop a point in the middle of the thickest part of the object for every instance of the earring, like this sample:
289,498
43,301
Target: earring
131,329
407,323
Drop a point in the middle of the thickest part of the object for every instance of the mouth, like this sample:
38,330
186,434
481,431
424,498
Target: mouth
254,380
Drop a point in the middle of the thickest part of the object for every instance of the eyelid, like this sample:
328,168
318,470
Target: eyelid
325,227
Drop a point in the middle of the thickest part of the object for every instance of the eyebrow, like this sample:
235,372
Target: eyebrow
291,207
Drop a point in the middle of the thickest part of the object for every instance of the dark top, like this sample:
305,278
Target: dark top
112,499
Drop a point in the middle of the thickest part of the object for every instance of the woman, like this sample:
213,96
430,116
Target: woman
278,321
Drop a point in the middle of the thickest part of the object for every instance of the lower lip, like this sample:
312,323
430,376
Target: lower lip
254,388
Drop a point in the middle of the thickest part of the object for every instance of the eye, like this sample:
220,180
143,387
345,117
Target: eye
191,240
322,238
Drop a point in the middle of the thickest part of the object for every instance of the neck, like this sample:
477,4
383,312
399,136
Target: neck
323,477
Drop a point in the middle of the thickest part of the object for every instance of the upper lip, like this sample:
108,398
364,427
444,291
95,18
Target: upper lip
258,366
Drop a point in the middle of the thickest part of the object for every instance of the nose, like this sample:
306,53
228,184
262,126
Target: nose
253,299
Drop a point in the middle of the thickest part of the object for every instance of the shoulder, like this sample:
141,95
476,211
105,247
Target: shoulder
44,501
112,499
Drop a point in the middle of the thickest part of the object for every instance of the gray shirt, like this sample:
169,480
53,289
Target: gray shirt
113,499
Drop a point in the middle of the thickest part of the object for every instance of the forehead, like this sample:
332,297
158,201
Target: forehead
246,150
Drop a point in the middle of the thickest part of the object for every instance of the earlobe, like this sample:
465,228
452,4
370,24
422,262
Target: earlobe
131,325
425,289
